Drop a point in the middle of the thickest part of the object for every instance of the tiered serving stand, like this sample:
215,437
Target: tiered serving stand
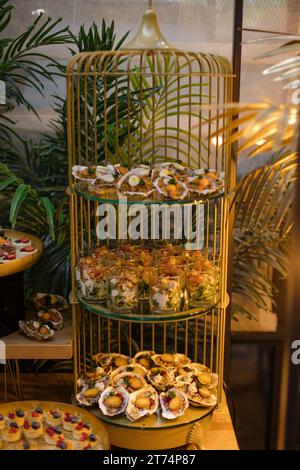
187,89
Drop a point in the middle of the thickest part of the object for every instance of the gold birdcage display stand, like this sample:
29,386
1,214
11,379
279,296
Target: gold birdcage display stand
149,103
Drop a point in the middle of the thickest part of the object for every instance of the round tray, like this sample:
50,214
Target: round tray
81,190
146,318
98,427
20,264
153,432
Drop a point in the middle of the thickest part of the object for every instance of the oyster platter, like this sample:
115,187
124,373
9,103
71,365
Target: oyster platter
149,384
49,426
164,181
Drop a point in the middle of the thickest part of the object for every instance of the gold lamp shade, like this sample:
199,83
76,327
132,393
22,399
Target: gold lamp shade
149,35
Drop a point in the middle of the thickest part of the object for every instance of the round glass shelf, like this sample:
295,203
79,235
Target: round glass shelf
112,198
146,317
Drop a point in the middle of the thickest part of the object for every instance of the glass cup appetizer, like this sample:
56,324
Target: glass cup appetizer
91,276
122,288
166,291
202,283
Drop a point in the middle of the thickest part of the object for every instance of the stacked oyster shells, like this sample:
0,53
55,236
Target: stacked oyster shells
146,384
48,308
168,180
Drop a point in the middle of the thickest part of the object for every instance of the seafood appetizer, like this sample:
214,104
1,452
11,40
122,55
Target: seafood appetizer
173,403
36,329
190,368
160,377
215,176
113,401
168,169
86,173
199,394
90,393
52,317
96,374
200,184
171,188
143,402
133,368
91,275
130,381
111,361
122,290
136,182
104,185
46,301
202,284
170,360
166,292
144,358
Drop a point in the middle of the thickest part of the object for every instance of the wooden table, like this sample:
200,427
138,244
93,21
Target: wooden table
219,433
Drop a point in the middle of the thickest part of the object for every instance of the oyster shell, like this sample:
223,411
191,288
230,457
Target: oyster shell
36,329
144,358
52,317
42,301
113,401
131,382
89,394
111,361
173,403
207,379
136,182
169,169
171,188
161,378
143,402
200,395
190,368
96,374
170,360
217,177
134,368
200,184
84,173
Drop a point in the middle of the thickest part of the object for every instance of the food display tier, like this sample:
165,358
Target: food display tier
153,432
97,425
82,191
20,264
103,311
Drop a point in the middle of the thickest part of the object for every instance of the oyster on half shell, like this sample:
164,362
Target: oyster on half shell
113,401
136,182
143,402
131,382
42,301
200,395
90,393
134,368
173,403
52,317
170,360
160,377
111,361
36,329
144,358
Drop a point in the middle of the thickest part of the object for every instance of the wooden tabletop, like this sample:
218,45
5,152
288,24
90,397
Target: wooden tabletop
219,433
19,346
